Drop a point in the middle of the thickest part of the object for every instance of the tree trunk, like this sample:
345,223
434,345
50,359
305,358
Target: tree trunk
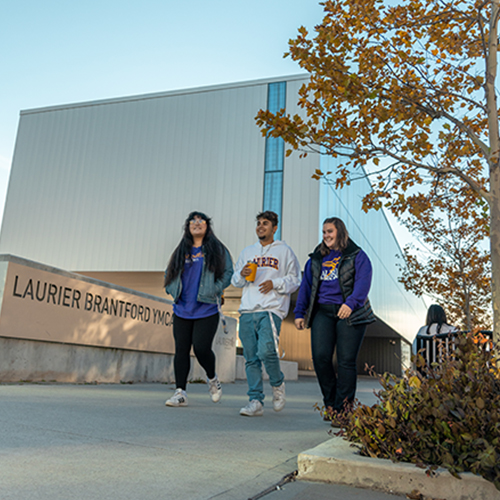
495,249
468,319
465,288
494,138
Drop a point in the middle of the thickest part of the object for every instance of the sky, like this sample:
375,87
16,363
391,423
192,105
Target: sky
64,51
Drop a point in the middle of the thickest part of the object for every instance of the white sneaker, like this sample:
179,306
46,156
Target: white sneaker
252,409
214,389
279,397
178,399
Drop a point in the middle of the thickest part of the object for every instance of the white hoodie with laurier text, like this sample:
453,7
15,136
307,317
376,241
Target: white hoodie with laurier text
275,262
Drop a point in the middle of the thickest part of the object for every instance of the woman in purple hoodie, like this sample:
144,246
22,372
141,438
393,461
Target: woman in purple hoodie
333,302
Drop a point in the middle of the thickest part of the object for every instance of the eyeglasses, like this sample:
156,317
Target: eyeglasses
197,221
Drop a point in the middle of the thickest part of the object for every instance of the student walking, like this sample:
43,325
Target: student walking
268,271
333,302
199,270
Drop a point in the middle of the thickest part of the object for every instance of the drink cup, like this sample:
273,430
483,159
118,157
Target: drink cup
253,269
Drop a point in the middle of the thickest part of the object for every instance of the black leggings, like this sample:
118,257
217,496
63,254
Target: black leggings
200,334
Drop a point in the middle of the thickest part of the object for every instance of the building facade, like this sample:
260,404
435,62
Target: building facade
103,188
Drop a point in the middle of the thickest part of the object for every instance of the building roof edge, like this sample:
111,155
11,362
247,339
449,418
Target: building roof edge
158,95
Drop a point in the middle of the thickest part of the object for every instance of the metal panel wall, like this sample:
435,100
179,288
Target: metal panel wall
107,186
300,192
382,354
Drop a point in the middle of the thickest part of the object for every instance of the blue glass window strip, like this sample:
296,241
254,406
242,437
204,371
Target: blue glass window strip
275,146
276,96
273,195
274,156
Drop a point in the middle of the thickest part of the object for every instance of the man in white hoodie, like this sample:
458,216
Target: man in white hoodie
264,304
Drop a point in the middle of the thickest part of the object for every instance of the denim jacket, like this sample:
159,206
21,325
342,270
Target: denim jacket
210,291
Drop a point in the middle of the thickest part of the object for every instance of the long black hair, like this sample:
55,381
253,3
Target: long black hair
214,252
435,314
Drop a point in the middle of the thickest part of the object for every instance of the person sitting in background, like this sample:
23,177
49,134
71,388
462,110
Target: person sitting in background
435,324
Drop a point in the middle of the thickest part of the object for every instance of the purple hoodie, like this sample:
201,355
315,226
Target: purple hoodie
329,291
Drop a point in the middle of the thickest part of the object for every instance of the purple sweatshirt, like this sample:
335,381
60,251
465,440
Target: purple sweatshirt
329,291
187,306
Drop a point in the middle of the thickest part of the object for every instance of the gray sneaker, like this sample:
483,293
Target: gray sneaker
178,399
252,409
279,397
214,389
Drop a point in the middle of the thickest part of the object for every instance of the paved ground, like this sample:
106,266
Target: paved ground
60,441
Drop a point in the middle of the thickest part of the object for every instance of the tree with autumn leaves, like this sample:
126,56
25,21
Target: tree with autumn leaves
406,93
451,264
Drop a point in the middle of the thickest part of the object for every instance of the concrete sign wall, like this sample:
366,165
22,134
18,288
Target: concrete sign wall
43,304
55,306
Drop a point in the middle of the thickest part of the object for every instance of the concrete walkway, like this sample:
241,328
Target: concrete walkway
60,441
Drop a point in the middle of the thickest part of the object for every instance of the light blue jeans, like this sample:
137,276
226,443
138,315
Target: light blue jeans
256,335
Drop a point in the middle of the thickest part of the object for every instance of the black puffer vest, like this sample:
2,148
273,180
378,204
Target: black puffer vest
347,272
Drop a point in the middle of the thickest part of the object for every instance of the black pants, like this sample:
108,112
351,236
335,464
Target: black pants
200,334
327,333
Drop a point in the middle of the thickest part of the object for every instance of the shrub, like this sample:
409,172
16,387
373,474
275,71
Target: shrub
444,415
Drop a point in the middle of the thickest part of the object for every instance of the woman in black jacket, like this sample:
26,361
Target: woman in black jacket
333,302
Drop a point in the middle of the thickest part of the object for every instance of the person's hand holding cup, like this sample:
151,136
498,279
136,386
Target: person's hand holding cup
249,271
